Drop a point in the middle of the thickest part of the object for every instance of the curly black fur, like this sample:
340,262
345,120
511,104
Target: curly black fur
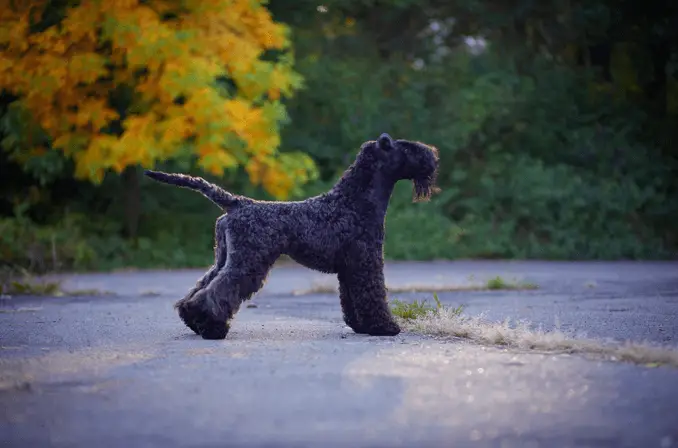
340,231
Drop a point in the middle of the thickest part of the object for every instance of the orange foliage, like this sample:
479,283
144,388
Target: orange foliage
168,53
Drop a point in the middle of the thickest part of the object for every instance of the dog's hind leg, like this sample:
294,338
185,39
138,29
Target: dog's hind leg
220,257
362,281
243,275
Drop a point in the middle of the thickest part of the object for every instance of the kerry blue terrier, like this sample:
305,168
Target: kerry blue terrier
340,232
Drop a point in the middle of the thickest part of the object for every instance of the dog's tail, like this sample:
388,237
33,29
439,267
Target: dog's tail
214,193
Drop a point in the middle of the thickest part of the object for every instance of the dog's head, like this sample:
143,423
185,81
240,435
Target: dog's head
404,159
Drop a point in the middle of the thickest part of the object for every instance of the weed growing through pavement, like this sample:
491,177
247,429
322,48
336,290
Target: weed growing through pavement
498,282
420,309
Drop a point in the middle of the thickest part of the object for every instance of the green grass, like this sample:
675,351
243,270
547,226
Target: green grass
498,283
419,309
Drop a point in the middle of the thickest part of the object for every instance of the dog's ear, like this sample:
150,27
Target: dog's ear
385,142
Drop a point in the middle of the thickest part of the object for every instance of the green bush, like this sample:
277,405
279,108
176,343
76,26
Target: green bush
44,248
532,166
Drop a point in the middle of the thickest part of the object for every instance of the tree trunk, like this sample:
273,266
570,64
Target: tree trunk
132,201
656,89
601,56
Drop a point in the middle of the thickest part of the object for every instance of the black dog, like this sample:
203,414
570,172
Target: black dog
341,231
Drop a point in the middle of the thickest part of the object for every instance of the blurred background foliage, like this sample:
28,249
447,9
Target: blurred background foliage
555,120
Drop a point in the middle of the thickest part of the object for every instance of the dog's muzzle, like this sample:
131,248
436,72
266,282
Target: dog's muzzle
425,184
424,188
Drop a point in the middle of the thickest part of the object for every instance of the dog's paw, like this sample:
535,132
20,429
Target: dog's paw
193,312
386,329
351,322
189,316
213,330
357,329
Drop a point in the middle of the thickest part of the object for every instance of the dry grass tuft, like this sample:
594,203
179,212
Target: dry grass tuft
20,282
444,322
493,284
16,281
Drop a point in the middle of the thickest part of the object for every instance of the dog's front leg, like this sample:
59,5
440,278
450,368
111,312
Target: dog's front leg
347,306
362,281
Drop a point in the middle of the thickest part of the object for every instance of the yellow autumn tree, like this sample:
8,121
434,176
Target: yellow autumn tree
116,83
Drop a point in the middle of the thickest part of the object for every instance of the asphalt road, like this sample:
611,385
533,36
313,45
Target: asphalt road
122,371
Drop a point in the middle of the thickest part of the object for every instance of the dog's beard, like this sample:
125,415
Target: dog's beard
423,189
